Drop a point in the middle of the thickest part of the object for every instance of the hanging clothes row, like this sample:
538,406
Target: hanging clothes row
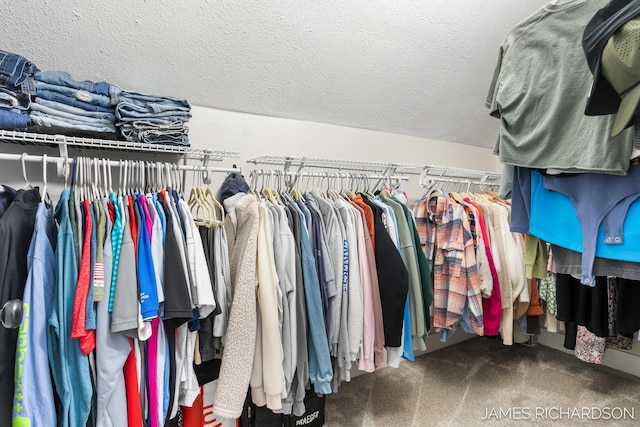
119,291
479,275
340,276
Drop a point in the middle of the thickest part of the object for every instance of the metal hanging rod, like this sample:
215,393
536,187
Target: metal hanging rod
431,175
383,169
342,175
60,163
289,161
444,171
17,137
469,182
291,177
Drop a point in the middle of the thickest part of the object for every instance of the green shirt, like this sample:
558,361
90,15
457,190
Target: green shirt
539,91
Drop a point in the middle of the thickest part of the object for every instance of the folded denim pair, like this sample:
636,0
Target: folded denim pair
163,139
64,79
43,119
13,99
63,110
72,101
143,100
79,94
174,133
14,120
158,113
15,69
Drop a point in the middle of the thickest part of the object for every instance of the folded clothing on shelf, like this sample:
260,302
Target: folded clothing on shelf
53,101
151,119
16,84
64,102
16,70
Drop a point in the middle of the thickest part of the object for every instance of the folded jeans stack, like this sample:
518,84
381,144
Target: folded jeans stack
63,102
150,118
16,83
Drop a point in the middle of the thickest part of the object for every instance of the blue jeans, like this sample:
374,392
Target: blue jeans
118,95
72,101
140,131
128,112
14,69
13,100
168,139
64,110
81,95
41,119
11,120
62,78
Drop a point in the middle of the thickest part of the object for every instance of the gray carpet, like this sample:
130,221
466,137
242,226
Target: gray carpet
480,378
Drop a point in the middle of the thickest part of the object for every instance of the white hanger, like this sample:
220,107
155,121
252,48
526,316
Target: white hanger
95,183
161,184
168,177
105,178
78,178
43,195
123,178
27,184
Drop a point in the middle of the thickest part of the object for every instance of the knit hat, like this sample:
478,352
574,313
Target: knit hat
621,67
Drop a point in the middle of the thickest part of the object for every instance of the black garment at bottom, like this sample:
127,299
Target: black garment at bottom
583,305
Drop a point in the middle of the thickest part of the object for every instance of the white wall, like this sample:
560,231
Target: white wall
260,135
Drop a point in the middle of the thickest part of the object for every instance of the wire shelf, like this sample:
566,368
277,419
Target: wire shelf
29,138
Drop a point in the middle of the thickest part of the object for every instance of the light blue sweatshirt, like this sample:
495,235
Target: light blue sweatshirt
33,402
320,371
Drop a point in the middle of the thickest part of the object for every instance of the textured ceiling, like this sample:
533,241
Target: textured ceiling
413,67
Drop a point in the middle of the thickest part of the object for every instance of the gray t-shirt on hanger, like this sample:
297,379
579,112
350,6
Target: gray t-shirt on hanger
539,92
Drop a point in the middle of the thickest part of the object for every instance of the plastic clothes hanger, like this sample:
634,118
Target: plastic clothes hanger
44,195
106,178
348,192
216,204
267,191
202,204
27,184
78,179
95,183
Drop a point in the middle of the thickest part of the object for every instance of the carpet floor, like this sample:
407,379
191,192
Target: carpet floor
481,382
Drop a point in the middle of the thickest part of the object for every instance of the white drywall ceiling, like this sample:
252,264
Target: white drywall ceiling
412,67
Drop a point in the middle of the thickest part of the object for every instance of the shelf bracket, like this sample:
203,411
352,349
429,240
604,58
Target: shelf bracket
63,167
206,178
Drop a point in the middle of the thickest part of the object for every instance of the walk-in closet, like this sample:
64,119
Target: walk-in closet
298,213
